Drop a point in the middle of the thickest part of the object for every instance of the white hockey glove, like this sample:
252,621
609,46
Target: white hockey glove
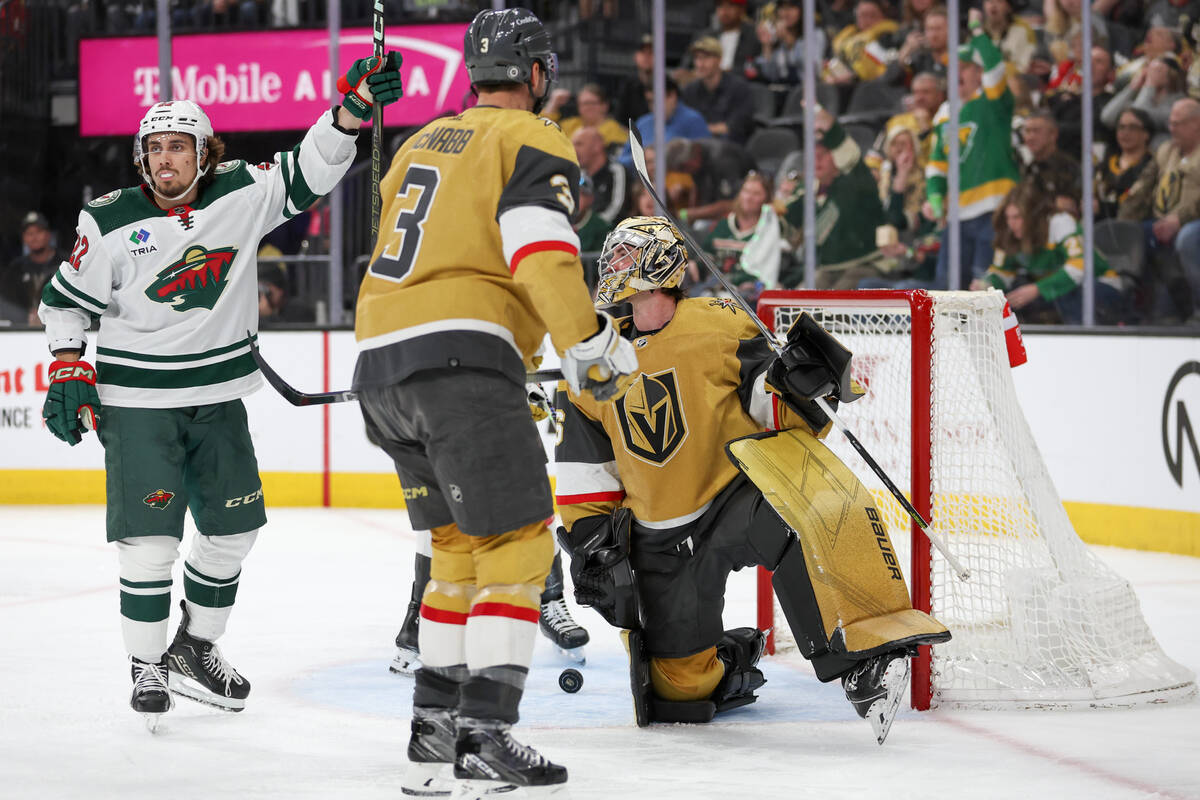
603,365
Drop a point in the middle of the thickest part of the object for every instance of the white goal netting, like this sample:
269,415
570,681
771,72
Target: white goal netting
1042,621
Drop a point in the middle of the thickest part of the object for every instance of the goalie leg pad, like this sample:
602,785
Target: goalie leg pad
841,588
682,687
693,677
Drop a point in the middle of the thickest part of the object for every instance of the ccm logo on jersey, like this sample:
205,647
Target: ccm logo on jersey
70,372
415,492
885,545
234,502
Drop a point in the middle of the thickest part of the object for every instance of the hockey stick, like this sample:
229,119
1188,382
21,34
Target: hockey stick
376,126
299,398
935,538
287,391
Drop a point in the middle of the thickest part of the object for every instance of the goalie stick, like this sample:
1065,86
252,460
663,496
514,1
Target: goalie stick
935,538
299,398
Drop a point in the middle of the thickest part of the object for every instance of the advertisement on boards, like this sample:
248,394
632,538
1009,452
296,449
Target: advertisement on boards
264,81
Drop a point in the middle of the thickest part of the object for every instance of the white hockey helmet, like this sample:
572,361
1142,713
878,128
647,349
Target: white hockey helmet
640,254
174,116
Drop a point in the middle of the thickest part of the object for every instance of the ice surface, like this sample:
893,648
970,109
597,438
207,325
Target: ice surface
320,601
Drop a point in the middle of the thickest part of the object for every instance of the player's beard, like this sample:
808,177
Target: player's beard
173,186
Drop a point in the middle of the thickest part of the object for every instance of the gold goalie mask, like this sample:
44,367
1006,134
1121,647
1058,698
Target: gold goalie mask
640,254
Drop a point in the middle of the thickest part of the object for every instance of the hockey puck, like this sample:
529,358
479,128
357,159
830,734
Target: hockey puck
570,681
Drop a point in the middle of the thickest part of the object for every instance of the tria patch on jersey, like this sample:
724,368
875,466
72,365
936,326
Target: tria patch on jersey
105,199
159,499
140,243
194,281
227,166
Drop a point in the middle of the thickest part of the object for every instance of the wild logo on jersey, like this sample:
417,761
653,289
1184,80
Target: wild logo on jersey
194,281
159,499
651,417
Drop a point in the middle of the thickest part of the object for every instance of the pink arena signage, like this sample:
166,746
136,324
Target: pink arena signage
277,80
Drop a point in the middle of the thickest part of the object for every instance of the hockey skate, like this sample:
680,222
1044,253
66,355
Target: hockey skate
560,627
875,688
408,651
489,761
199,672
556,622
430,754
407,659
150,697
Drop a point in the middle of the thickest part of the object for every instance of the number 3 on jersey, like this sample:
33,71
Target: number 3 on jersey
414,199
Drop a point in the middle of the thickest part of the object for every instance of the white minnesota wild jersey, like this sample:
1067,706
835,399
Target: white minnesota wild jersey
176,291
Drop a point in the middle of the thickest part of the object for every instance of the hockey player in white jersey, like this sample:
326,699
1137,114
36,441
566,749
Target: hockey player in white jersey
169,270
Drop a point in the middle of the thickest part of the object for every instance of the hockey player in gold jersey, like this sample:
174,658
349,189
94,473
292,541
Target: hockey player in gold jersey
476,261
655,516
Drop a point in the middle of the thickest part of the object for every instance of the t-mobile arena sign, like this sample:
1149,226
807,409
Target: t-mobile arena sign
263,81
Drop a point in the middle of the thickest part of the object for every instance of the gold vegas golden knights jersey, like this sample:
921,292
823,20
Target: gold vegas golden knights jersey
476,257
659,448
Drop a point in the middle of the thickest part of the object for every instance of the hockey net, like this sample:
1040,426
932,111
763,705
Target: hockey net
1042,622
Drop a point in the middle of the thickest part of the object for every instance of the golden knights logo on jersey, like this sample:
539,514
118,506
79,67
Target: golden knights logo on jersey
651,417
194,281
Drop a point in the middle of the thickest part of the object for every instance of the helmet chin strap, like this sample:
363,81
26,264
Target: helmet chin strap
200,173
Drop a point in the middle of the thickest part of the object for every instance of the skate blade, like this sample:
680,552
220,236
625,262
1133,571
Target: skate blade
184,688
152,720
575,655
471,789
557,791
428,780
405,662
883,711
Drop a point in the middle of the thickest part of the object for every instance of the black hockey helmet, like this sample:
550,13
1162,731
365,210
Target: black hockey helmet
501,46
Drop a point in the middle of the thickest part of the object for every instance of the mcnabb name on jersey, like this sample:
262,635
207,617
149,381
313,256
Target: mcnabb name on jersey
444,140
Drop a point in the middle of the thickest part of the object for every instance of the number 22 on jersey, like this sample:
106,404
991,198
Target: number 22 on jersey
414,199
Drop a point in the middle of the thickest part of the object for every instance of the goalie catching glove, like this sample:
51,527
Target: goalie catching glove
812,364
603,364
72,405
600,567
371,80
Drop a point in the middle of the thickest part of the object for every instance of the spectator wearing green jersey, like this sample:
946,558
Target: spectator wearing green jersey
1039,264
987,170
848,212
746,243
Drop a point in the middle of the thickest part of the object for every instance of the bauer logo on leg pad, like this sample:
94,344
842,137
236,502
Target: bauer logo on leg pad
885,544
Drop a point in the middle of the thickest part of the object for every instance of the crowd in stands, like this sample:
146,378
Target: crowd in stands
734,166
734,115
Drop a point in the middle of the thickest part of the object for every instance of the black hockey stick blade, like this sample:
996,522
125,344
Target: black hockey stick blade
286,390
